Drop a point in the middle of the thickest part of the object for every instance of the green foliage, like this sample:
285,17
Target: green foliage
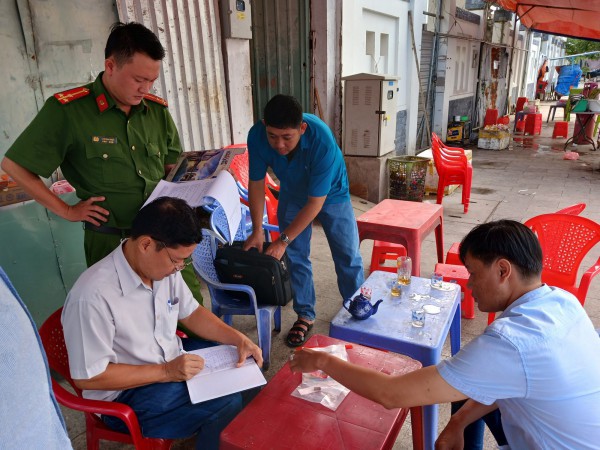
575,46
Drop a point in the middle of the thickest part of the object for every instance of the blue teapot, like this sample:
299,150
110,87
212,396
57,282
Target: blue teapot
360,307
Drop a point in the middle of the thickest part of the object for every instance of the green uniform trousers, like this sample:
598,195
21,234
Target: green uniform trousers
98,245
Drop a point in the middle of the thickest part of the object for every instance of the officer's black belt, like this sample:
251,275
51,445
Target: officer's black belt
124,232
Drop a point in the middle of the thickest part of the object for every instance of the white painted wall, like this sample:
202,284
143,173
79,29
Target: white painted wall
458,62
376,38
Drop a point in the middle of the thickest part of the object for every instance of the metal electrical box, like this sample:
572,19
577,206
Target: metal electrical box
370,106
236,19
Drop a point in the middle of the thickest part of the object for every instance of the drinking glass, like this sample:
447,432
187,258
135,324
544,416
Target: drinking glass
404,265
396,289
437,281
417,316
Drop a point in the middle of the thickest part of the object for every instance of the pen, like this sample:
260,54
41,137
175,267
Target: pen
347,346
172,300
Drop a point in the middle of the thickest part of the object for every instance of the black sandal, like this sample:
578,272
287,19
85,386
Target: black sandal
297,334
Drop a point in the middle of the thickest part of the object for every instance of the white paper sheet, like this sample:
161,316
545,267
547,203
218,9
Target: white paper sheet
220,376
203,192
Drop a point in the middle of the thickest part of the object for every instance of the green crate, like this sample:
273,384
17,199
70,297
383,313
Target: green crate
407,177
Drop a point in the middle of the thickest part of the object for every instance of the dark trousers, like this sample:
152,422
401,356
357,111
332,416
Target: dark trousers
473,434
164,410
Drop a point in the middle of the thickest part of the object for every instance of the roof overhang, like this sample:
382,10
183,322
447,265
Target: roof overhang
572,18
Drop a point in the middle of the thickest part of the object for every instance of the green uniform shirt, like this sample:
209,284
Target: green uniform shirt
100,150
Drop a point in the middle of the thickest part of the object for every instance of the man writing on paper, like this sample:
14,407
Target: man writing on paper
112,139
538,363
120,320
303,153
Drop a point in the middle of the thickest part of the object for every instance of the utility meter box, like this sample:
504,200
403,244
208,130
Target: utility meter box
236,19
370,105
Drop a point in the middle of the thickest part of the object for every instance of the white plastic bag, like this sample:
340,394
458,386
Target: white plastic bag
318,387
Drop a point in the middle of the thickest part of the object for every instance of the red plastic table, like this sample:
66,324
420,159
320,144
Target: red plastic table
276,420
406,223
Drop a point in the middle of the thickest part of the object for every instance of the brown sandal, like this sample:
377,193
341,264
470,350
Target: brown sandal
297,334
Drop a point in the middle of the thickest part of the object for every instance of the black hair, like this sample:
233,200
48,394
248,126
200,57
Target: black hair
283,111
168,220
126,39
507,239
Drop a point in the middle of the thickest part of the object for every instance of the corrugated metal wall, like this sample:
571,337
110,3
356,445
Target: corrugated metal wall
280,51
193,76
43,56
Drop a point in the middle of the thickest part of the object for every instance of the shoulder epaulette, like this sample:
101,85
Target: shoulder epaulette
72,94
156,99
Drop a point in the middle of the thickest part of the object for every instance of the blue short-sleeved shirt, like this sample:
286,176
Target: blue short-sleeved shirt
540,362
29,415
316,170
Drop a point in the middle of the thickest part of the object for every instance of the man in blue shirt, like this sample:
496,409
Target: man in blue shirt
538,363
29,414
302,151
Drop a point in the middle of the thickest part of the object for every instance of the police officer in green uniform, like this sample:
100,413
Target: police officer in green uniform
112,139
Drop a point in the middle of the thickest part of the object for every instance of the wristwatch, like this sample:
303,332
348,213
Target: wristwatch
284,237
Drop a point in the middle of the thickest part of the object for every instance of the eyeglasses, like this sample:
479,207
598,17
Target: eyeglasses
179,265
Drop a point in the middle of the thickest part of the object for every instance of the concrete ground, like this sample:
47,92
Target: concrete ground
529,178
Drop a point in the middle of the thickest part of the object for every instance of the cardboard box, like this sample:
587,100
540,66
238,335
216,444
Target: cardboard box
431,179
11,193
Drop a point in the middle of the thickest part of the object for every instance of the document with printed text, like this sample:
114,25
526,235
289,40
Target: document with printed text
222,189
220,375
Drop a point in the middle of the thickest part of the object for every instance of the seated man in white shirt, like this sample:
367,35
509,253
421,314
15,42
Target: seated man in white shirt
120,322
538,362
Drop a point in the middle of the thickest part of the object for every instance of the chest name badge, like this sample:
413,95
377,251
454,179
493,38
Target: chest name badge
104,139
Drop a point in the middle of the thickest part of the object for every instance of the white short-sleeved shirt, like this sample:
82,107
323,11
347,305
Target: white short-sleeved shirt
540,362
110,316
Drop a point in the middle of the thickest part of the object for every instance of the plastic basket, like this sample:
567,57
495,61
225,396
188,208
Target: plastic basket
407,177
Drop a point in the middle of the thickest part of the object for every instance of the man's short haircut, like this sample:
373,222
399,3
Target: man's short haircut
283,111
504,239
168,220
126,39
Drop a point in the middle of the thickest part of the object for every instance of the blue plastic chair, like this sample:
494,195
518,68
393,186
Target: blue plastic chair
228,300
220,225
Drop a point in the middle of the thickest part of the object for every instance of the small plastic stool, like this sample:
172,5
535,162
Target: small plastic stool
561,129
452,257
533,124
385,251
491,117
459,274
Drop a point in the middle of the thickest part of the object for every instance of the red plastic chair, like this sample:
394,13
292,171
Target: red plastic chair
453,168
520,103
51,333
240,169
566,239
540,91
574,210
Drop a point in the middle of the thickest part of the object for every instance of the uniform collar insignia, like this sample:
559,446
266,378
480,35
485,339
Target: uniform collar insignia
102,103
